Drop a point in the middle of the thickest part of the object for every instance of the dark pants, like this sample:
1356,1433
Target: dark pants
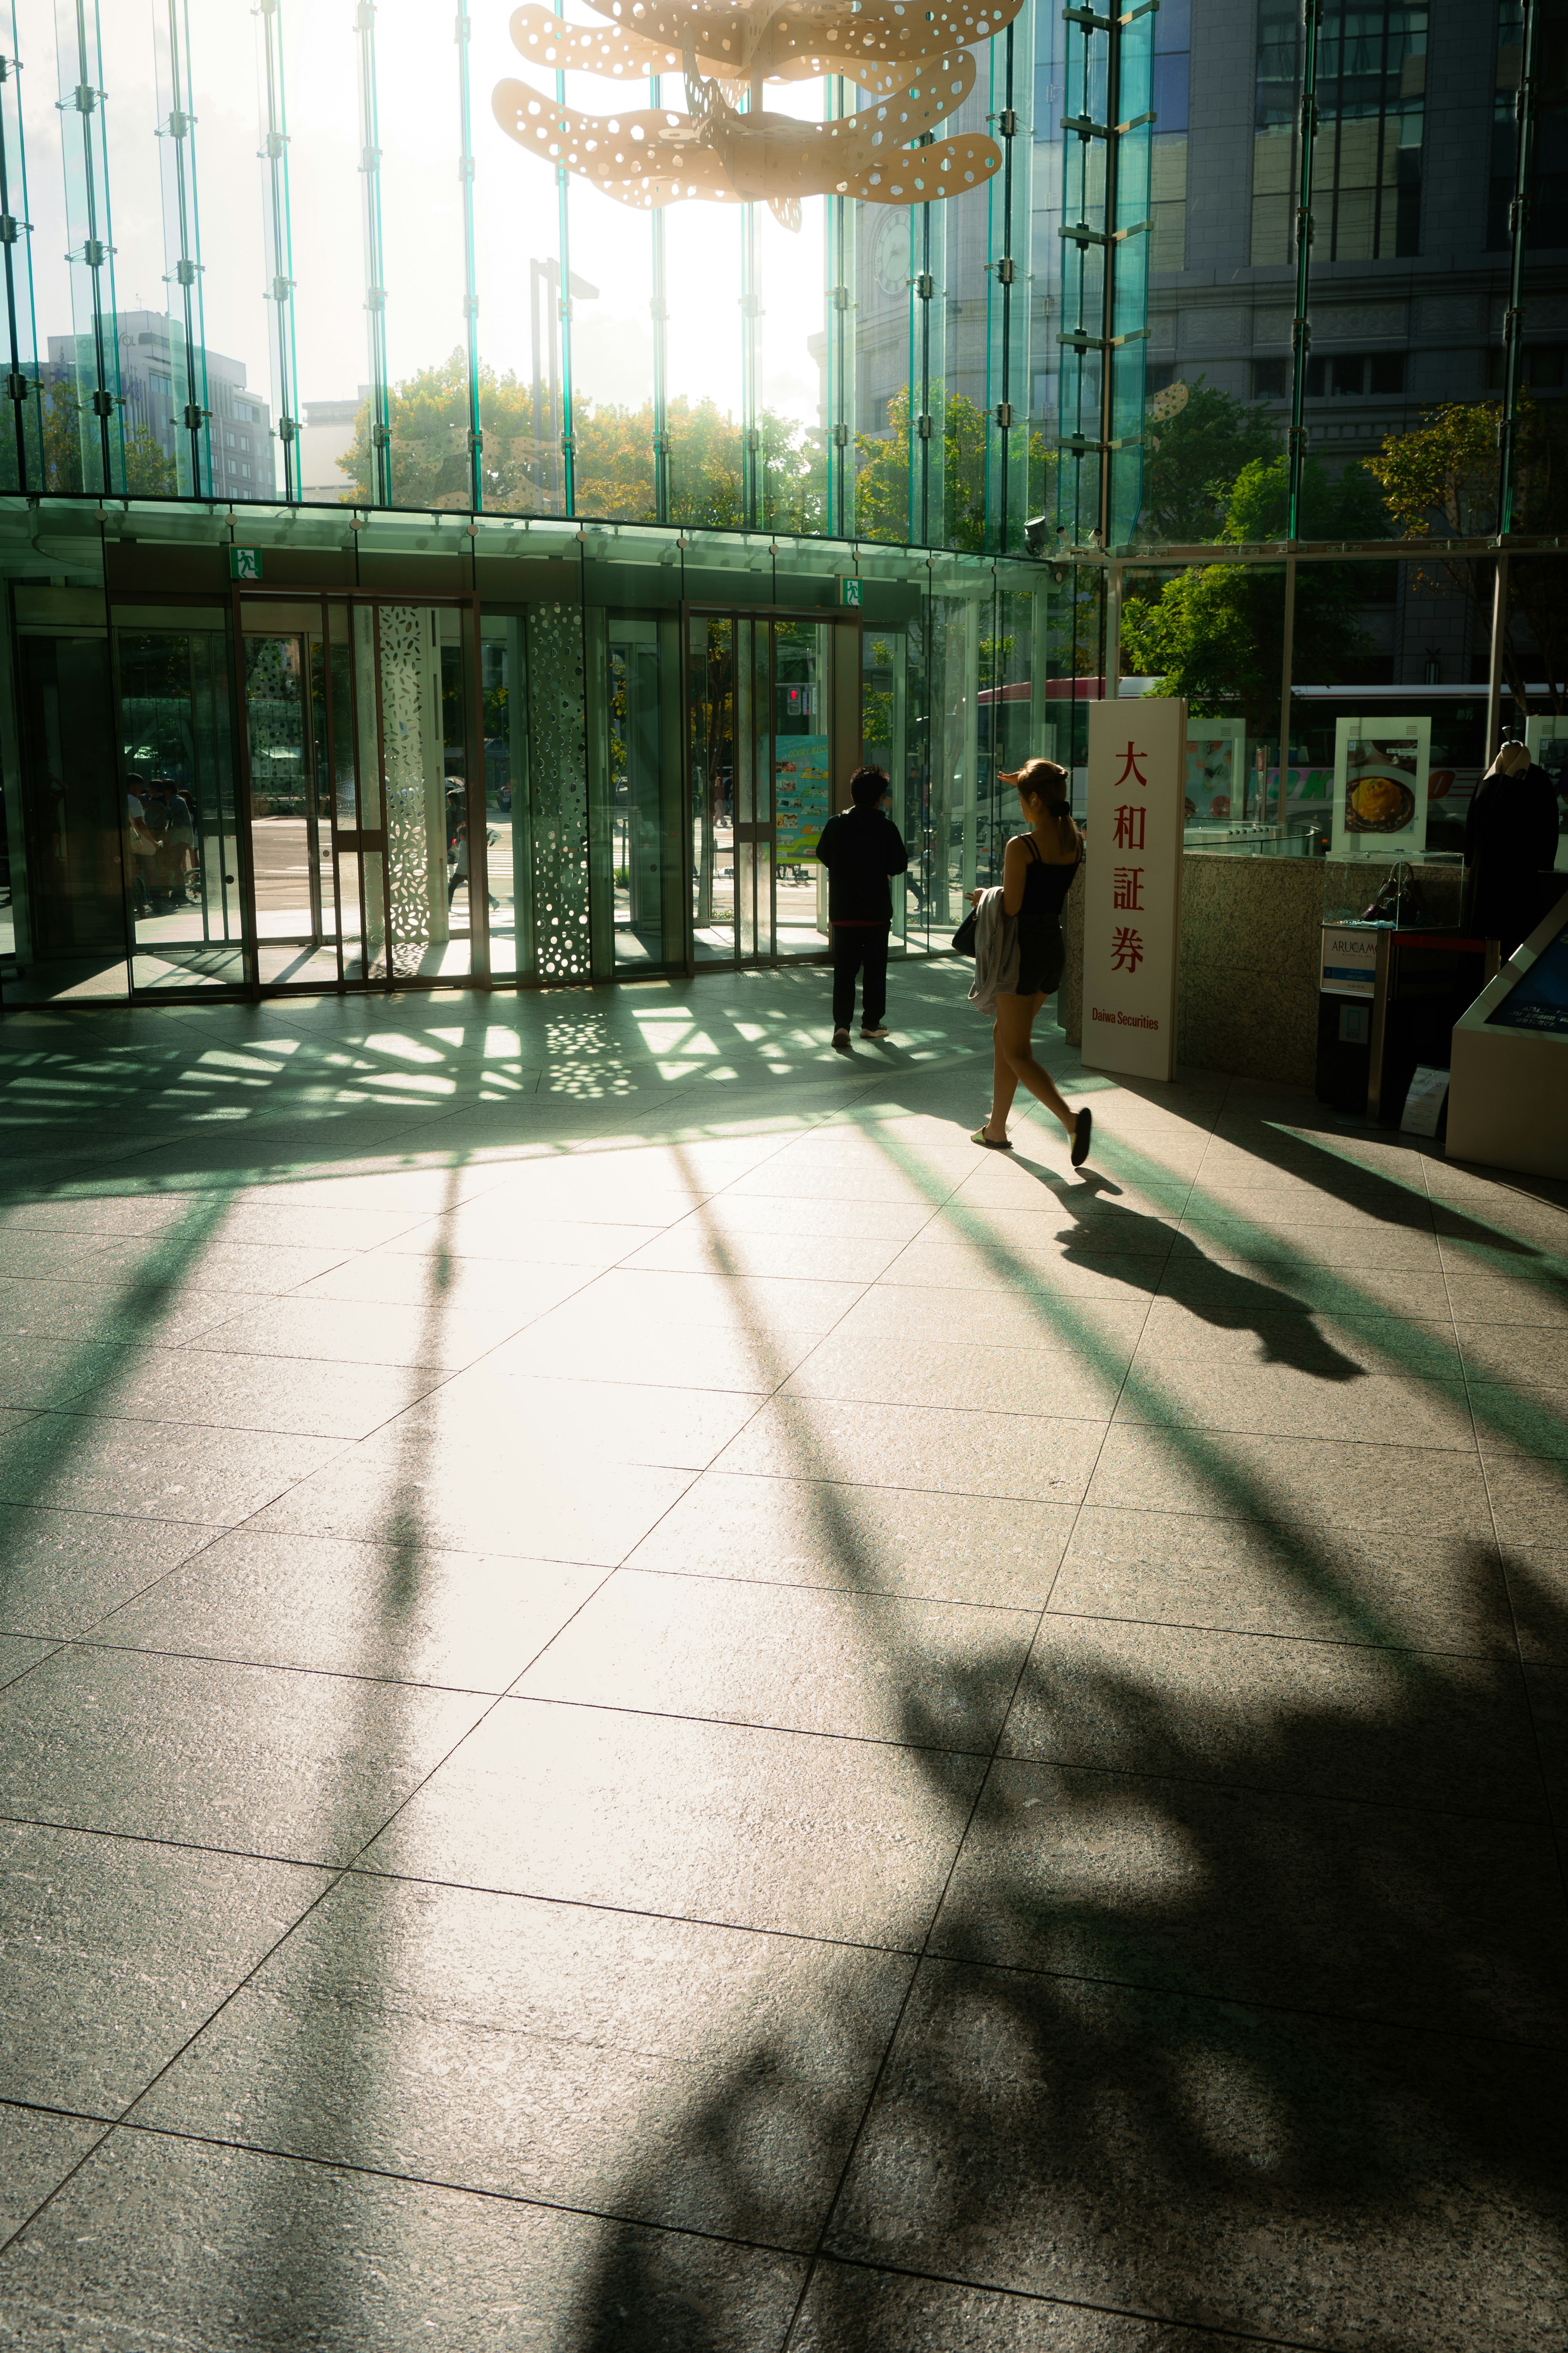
859,949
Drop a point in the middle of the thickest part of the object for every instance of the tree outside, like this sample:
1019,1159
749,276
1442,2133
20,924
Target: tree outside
1441,479
1193,462
613,452
1215,633
882,485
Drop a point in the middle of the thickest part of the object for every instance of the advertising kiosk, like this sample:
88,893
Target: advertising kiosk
1507,1096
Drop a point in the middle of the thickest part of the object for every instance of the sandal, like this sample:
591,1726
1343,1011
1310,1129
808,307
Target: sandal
991,1142
1081,1135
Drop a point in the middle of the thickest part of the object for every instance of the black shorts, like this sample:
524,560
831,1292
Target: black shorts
1041,959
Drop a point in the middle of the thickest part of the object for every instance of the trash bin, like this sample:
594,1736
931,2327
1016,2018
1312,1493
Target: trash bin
1387,1002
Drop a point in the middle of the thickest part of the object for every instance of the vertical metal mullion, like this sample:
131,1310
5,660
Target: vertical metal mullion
82,93
1005,401
562,324
1300,325
659,305
470,275
182,224
279,238
249,929
1286,680
374,265
19,386
1514,317
1108,273
750,311
474,795
330,740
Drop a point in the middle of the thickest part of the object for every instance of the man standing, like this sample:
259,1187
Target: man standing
861,849
1511,842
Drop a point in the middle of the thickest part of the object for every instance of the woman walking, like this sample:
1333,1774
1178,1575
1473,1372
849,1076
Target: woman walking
1037,872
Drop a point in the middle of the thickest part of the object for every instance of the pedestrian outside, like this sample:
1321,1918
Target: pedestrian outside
862,850
1038,869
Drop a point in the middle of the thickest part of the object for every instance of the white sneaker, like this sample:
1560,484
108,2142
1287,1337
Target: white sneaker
876,1033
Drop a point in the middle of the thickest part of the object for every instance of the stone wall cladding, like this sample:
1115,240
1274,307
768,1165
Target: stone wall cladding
1247,998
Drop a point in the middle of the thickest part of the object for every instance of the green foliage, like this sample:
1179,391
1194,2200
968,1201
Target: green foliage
150,471
613,455
1443,474
1192,462
1442,480
882,485
1216,634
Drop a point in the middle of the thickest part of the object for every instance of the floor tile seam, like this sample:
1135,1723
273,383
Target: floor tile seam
1559,1827
894,1598
744,1723
379,1875
1369,2021
66,1410
932,1917
335,1875
795,1477
1222,2332
52,1645
623,2220
176,1845
8,2240
1275,1793
94,1642
1268,1634
128,1601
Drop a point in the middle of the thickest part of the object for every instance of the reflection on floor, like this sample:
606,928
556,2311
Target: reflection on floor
644,1702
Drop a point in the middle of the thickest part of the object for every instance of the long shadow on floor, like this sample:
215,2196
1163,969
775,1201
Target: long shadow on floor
1108,1239
1254,2023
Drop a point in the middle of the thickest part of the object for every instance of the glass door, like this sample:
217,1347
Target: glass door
710,767
801,750
761,761
182,853
292,852
358,826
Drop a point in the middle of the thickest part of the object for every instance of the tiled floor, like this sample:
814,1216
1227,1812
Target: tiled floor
646,1704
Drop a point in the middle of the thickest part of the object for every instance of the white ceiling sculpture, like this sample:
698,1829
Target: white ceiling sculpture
914,62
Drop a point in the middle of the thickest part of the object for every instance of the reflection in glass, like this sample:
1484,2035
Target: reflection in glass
177,764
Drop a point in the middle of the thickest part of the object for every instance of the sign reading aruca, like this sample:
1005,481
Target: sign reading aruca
1133,884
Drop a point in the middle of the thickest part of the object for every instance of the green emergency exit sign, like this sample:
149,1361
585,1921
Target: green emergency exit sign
244,563
849,592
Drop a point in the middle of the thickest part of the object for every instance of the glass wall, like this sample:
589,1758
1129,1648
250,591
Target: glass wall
555,375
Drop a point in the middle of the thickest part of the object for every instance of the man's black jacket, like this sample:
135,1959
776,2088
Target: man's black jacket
861,850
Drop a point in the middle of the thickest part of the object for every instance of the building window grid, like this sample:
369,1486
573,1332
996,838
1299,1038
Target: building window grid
1371,128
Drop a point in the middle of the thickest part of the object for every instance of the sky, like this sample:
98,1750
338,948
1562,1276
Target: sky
416,61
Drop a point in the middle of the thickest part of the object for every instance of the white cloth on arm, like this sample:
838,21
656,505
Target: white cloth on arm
996,952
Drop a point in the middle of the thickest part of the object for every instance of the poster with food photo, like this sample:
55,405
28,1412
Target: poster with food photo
1381,772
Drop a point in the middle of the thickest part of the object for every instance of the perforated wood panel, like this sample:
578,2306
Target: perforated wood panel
916,61
558,768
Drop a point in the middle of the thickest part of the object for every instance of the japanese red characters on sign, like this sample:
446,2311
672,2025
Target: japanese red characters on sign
1136,784
1127,888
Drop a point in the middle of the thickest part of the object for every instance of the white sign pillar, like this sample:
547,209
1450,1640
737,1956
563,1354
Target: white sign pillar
1133,884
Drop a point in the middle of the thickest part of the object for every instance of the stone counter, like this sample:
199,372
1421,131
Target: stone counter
1248,1000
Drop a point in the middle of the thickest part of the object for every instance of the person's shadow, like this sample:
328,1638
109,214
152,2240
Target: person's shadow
1128,1244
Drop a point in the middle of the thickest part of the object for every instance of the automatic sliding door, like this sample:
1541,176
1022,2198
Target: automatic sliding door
711,759
801,750
290,827
182,853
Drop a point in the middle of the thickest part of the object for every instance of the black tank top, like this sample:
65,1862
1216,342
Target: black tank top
1045,887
